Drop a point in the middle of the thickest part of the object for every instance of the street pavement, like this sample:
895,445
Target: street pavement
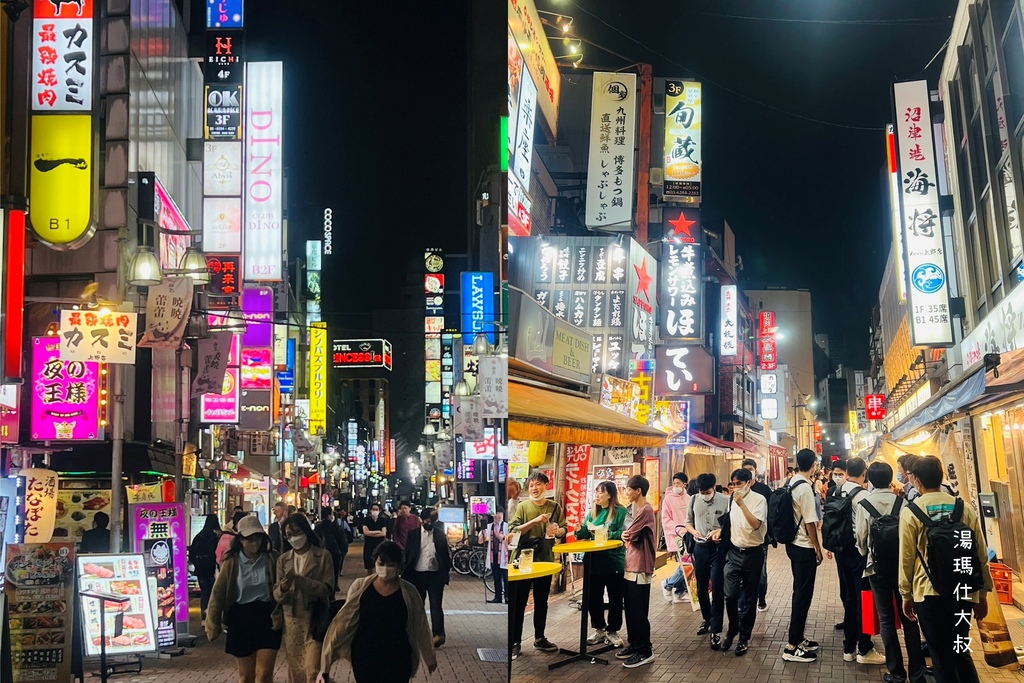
470,622
681,655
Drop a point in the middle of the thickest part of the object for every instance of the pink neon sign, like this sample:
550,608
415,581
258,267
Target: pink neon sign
65,395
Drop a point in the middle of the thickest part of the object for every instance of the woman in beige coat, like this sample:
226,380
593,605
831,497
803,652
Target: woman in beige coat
305,576
382,629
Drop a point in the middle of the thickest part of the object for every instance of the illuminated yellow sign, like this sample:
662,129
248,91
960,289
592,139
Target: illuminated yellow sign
318,377
853,423
61,175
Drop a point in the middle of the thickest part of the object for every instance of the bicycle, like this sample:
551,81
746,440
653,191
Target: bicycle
461,554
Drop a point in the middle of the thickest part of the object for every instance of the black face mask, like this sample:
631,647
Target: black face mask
428,526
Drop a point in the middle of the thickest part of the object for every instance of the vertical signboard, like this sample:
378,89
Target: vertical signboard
519,204
159,531
928,286
62,172
577,465
318,378
65,395
683,123
263,221
729,333
433,325
527,29
682,272
611,165
224,13
478,305
894,206
522,148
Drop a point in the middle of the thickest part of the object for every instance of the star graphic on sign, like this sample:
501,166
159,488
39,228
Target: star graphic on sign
682,226
645,279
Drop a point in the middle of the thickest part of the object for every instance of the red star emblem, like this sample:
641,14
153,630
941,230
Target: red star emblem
645,279
682,226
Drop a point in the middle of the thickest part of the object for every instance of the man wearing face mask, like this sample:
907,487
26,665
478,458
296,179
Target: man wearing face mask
708,557
748,524
673,514
375,532
761,488
428,565
905,465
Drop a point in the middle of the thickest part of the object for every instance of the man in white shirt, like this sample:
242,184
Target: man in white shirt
748,525
428,564
804,557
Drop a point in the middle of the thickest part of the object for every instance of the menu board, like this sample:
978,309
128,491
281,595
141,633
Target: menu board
158,531
619,474
77,504
40,591
129,626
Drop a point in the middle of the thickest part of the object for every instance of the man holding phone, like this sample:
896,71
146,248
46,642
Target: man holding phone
537,524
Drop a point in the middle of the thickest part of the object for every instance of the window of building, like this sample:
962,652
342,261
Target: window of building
988,41
1010,210
1013,58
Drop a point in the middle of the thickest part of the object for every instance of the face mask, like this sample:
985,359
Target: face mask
428,525
297,542
707,497
678,490
374,513
899,477
537,495
838,479
387,573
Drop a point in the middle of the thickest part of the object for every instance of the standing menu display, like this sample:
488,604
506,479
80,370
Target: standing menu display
129,626
40,592
159,531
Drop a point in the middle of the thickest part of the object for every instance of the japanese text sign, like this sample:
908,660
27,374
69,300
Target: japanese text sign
63,59
769,354
522,149
928,293
682,270
612,137
167,311
641,373
528,33
224,274
264,168
224,13
577,467
766,320
159,531
874,406
683,124
98,336
65,395
493,385
729,332
125,575
222,407
317,378
683,370
40,504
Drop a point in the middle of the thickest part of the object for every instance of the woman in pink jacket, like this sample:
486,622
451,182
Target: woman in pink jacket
674,507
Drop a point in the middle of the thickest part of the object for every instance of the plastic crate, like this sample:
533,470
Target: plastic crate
1000,572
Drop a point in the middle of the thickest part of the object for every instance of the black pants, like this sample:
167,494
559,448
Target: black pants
942,628
762,592
519,596
598,584
206,582
500,575
432,584
637,598
886,592
709,567
851,584
742,581
805,569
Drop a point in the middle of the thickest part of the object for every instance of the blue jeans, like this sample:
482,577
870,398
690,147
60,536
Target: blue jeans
677,581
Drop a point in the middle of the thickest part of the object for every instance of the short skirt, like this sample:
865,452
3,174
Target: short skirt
250,628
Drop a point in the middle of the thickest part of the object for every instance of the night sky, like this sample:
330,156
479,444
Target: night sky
804,199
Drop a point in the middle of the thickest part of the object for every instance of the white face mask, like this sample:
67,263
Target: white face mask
387,573
678,490
297,542
374,513
539,494
839,479
708,497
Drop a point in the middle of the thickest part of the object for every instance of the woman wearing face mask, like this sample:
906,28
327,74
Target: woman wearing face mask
673,515
608,567
375,532
305,578
382,629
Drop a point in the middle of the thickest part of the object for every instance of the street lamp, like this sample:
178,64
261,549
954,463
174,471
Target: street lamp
145,268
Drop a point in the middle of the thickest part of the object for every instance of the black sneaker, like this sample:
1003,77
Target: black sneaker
798,654
705,627
727,643
809,646
762,606
516,649
638,659
716,641
545,645
742,647
893,678
625,653
839,626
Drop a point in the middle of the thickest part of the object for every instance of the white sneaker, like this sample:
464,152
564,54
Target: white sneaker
849,656
613,638
666,592
685,597
872,657
597,636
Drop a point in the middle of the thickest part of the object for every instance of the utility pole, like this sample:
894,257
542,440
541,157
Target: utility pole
643,179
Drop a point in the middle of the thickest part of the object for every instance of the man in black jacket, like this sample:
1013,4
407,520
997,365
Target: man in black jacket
333,539
428,563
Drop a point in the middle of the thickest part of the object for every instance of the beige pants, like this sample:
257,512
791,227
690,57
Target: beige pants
303,652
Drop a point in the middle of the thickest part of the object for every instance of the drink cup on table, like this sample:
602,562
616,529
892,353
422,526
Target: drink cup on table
526,560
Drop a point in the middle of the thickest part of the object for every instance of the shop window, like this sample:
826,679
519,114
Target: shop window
955,103
989,240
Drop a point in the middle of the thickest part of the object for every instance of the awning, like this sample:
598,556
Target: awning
537,414
715,442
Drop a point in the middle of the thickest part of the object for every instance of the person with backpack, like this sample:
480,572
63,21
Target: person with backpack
793,521
943,572
838,537
333,539
203,556
876,520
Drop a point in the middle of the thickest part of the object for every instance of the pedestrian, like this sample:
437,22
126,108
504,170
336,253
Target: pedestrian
382,628
428,566
227,537
905,477
763,489
331,539
242,602
840,539
97,539
203,556
276,536
876,526
748,526
344,538
673,515
538,523
305,577
639,539
703,519
375,532
804,556
497,556
406,522
606,567
943,572
513,490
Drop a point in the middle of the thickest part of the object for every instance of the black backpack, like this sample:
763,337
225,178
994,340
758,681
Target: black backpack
885,539
952,552
837,523
782,527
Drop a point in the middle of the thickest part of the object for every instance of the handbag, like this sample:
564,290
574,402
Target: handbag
322,613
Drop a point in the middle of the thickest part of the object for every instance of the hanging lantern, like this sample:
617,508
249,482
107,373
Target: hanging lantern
537,453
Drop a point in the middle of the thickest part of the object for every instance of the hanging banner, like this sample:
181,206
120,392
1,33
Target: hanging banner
729,332
145,493
318,378
493,386
40,586
683,124
40,504
213,362
167,312
577,466
65,395
611,166
159,531
98,336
